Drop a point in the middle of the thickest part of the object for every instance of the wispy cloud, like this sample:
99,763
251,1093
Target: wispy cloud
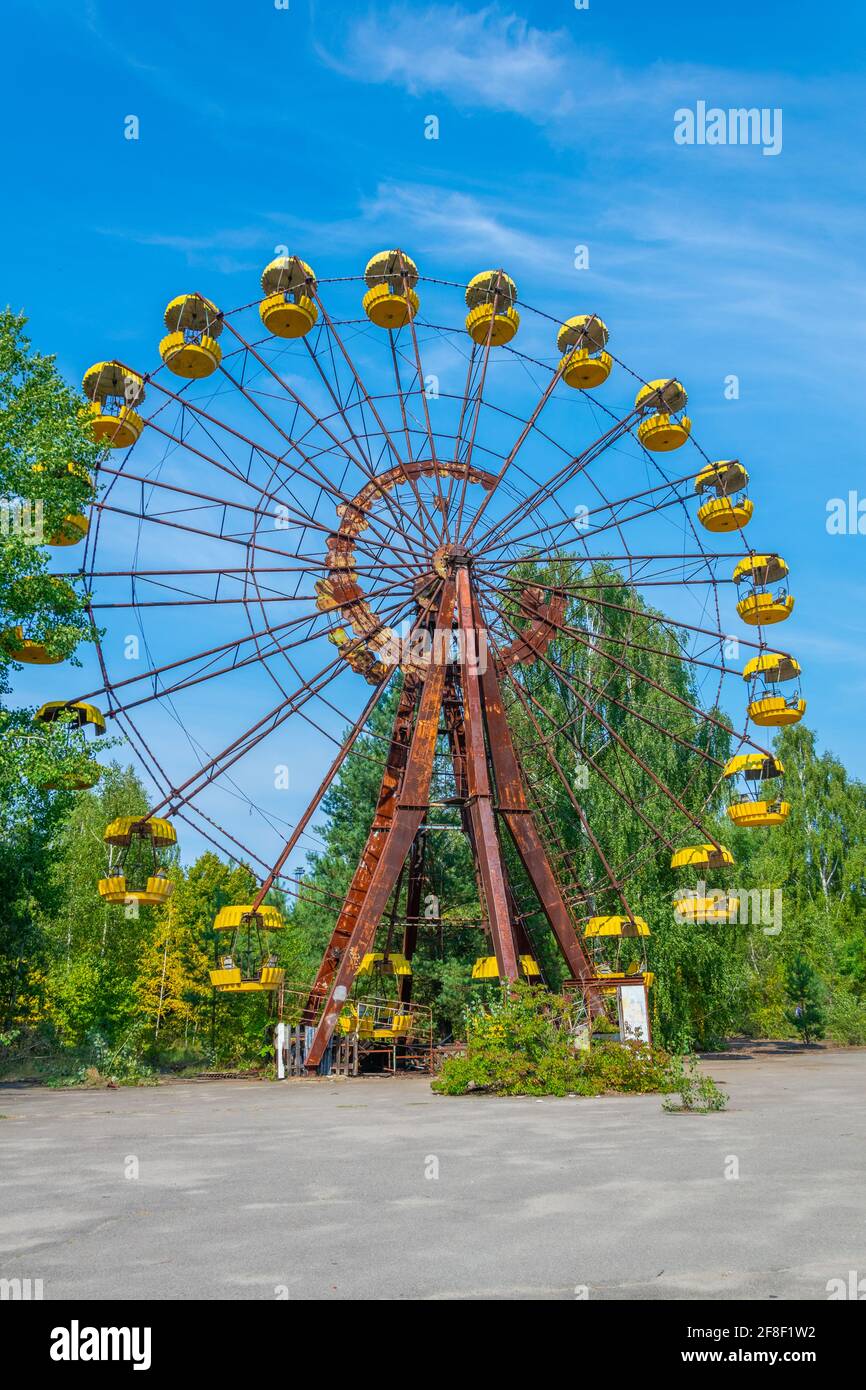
494,59
482,58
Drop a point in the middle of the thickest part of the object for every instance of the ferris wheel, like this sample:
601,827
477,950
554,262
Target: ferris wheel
388,486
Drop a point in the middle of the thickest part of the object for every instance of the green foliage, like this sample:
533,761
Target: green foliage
41,433
524,1042
699,1094
846,1018
805,993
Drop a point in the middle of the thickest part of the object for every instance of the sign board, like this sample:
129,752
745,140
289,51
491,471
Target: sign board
633,1013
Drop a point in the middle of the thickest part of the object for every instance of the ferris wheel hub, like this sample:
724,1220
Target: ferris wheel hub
448,558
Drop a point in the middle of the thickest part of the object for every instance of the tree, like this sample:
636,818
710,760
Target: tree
804,992
817,859
41,434
47,460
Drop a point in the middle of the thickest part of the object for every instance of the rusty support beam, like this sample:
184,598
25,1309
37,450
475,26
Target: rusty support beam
487,847
514,809
410,792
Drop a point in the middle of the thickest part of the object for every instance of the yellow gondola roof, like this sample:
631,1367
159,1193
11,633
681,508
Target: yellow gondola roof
194,313
392,268
765,569
229,918
584,331
393,964
120,831
112,379
701,854
759,765
483,287
84,713
727,475
670,392
616,926
786,667
286,275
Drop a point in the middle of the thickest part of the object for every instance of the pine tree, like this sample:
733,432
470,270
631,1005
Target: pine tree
803,988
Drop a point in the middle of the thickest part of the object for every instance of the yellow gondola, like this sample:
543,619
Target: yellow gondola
585,364
760,606
693,906
486,968
135,844
764,673
81,714
72,530
113,390
190,348
287,310
228,978
84,774
726,511
616,926
665,425
397,1027
390,301
158,889
492,316
702,857
245,965
750,809
24,649
378,962
29,589
375,1021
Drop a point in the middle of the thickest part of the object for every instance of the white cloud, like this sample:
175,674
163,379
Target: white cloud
484,58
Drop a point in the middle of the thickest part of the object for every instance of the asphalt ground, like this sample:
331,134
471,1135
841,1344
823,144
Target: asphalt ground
376,1188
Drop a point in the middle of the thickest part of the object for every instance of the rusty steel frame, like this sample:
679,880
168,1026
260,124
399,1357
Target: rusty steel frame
490,786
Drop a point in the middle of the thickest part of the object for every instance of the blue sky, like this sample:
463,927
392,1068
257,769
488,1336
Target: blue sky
305,126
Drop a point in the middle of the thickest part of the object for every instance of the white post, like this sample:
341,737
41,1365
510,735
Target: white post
280,1044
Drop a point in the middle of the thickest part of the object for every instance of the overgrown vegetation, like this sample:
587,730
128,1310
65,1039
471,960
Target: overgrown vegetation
698,1093
527,1043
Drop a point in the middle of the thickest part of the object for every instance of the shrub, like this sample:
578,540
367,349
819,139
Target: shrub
523,1043
846,1019
699,1094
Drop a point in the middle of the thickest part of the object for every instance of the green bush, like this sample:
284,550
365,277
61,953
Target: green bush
523,1044
699,1094
846,1019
